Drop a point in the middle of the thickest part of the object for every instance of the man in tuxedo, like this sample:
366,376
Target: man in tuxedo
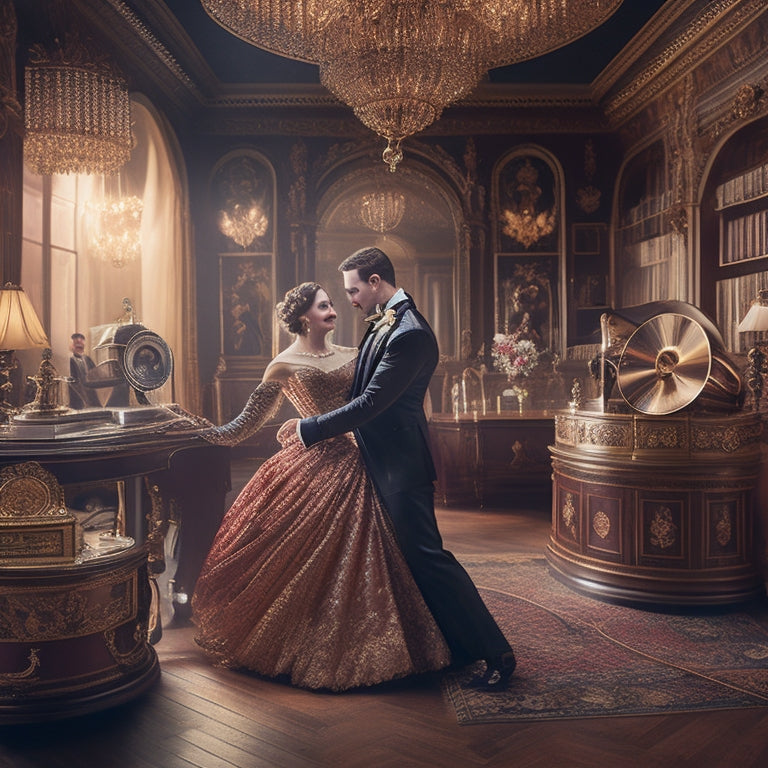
398,355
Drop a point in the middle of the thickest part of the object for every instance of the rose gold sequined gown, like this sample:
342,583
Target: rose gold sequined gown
305,578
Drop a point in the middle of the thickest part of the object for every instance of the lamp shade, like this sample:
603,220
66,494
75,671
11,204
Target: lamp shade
20,327
756,318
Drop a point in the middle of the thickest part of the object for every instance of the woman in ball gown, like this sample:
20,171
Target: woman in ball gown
305,578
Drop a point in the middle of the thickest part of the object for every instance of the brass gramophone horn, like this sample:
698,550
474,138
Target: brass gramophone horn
665,364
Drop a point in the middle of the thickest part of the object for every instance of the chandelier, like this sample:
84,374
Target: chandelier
115,228
243,223
77,113
382,210
399,63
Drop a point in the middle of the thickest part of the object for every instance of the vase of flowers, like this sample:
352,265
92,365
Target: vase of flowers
516,357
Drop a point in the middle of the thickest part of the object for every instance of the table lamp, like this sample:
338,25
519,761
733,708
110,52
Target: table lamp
20,328
756,322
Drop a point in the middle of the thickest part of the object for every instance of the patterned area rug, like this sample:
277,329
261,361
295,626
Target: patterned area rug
579,657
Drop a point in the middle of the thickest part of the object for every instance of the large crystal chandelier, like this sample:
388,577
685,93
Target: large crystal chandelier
382,210
77,112
399,63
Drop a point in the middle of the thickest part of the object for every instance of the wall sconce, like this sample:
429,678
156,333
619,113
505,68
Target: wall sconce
243,222
756,322
20,328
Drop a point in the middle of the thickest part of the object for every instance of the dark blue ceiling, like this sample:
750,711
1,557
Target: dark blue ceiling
235,61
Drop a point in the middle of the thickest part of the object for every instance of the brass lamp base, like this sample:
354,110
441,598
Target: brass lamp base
757,368
46,403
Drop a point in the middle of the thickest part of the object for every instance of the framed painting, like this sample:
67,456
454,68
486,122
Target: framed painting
527,297
247,304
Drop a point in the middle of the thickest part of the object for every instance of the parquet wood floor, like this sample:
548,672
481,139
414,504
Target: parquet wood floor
199,716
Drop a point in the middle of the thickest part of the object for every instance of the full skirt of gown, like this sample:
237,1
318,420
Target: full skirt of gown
305,578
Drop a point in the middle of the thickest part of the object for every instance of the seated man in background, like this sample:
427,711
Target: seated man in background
80,395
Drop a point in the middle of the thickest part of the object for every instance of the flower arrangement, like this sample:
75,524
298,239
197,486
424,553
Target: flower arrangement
514,356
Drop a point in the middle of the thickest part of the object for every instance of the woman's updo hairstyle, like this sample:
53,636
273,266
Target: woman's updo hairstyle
296,302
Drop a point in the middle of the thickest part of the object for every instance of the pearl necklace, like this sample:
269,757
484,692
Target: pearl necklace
317,354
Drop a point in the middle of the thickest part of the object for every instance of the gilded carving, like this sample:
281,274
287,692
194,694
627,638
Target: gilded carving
610,435
157,527
601,524
28,674
649,435
133,657
37,614
569,515
565,430
723,525
297,194
28,490
727,439
681,55
663,529
588,196
747,102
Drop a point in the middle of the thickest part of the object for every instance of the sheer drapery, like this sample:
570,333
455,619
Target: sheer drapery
160,283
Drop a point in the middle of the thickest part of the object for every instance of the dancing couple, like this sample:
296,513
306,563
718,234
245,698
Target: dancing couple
329,569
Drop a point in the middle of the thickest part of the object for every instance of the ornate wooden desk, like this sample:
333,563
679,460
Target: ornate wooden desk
492,458
656,509
73,637
159,464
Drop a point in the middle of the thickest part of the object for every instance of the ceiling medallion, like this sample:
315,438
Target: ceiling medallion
399,63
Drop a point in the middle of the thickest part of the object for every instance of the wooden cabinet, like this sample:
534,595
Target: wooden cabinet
656,510
499,459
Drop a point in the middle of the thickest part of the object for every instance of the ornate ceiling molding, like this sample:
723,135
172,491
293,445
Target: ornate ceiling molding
709,28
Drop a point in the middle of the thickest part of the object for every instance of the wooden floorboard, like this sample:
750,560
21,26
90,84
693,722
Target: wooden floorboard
202,716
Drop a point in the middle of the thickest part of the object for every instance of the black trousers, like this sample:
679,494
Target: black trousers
467,625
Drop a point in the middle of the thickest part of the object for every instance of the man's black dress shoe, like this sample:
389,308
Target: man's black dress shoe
498,673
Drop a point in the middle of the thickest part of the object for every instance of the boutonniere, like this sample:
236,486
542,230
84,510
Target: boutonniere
388,317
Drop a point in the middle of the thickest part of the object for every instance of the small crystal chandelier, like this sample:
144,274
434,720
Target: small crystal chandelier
382,210
77,112
399,63
243,223
115,228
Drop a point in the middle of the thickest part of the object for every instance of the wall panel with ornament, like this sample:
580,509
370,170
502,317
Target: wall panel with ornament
242,199
528,244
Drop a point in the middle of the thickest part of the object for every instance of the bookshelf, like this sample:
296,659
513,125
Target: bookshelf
649,251
588,281
734,231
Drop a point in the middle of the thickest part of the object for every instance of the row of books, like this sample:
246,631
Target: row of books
748,186
640,285
745,238
648,207
654,251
